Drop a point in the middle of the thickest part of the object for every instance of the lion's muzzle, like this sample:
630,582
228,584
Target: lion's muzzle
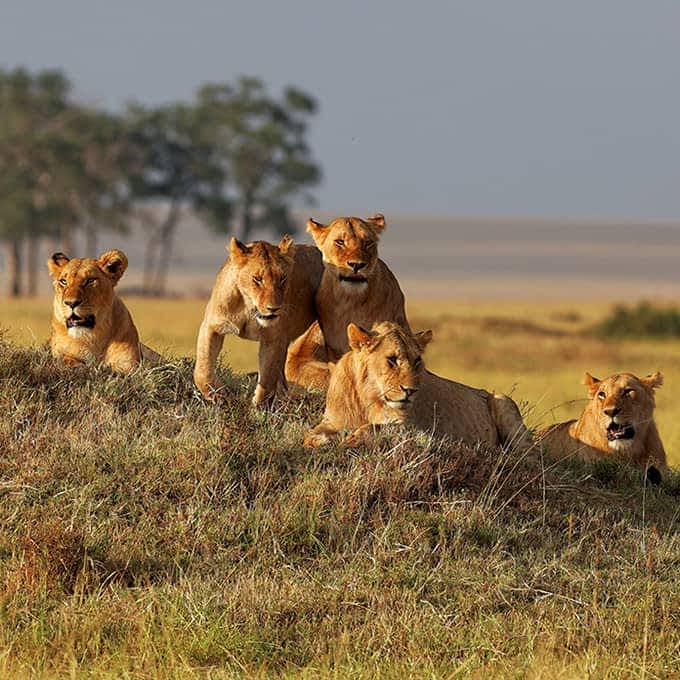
619,431
75,321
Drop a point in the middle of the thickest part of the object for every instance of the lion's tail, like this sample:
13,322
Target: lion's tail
306,363
512,432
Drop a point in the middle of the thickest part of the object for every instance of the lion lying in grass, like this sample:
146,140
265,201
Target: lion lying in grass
262,292
356,287
617,423
90,323
382,380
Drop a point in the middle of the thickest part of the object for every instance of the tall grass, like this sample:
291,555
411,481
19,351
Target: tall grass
145,533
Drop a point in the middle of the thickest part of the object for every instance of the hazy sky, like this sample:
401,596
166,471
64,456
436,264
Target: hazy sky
496,107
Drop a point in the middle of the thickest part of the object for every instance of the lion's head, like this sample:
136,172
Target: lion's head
349,246
622,407
391,363
262,276
83,288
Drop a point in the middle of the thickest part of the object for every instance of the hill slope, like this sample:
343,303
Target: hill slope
146,533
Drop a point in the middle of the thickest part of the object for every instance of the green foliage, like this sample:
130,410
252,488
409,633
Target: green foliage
237,155
145,533
643,320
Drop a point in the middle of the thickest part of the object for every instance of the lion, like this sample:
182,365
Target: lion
356,287
617,423
90,323
265,293
382,380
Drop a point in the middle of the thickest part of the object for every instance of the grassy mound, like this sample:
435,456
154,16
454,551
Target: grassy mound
145,533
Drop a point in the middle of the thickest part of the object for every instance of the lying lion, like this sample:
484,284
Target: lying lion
617,422
356,287
90,323
383,380
265,293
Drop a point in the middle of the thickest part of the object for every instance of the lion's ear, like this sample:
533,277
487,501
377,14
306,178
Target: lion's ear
238,250
377,221
651,382
287,245
592,384
316,229
358,337
56,262
114,263
423,339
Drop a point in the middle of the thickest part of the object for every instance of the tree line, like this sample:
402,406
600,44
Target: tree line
235,154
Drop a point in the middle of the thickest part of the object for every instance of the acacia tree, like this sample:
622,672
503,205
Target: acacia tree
177,167
262,140
31,116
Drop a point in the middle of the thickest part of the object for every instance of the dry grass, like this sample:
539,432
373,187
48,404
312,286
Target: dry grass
144,533
535,350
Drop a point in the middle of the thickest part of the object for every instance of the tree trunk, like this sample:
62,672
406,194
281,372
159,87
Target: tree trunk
66,238
32,251
150,256
91,240
14,267
167,234
246,217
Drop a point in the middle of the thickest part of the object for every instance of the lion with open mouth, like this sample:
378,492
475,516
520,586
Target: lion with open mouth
90,323
618,422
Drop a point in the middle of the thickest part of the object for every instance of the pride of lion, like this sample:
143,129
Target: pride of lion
332,317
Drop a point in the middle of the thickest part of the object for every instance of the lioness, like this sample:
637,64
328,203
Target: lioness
89,321
617,422
262,292
383,380
356,287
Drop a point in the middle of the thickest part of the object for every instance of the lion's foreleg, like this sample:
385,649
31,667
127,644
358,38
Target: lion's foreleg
208,348
321,435
271,363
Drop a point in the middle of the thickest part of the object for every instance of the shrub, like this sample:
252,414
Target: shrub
643,320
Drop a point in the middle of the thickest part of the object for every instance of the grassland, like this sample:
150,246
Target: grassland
537,351
144,533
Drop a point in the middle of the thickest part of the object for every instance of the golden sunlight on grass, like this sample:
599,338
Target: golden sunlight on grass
537,351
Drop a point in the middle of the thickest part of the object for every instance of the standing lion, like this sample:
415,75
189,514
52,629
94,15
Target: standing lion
264,293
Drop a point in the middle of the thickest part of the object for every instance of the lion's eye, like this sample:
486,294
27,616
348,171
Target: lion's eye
601,395
284,278
392,361
339,242
418,363
62,283
629,392
368,244
89,282
257,280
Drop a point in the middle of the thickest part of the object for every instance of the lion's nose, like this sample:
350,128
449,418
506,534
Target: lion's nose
357,266
409,390
611,411
72,303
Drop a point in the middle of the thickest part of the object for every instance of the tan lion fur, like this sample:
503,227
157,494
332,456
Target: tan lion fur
264,293
383,380
88,286
356,287
625,399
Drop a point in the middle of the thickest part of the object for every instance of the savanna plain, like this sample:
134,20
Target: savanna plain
145,533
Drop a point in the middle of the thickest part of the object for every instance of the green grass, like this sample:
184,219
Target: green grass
144,533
